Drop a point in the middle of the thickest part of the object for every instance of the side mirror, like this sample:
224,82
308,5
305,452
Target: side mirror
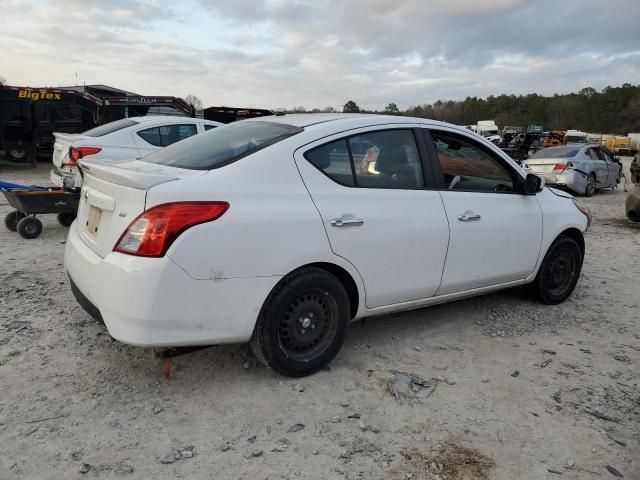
533,184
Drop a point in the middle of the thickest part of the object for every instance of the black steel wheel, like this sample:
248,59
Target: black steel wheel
302,325
591,187
29,227
11,220
559,272
66,219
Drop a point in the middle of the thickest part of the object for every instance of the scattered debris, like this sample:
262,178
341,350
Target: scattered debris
614,471
254,454
557,396
299,388
168,459
84,468
557,472
406,385
621,357
251,439
296,428
186,454
451,461
123,470
515,373
545,363
17,325
157,410
549,352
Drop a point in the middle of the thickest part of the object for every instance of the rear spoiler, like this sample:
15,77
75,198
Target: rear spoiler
124,176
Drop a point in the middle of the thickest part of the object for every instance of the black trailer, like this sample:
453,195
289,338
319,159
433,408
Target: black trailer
29,116
231,114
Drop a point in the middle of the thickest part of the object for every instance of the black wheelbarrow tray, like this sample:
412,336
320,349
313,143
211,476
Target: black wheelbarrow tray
31,201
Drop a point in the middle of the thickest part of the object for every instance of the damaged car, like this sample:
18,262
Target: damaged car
582,169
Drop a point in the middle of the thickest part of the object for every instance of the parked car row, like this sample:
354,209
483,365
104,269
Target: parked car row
279,231
127,138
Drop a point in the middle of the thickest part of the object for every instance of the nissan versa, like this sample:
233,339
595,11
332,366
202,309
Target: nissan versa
281,230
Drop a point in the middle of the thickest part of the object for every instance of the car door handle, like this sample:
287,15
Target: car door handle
346,222
469,216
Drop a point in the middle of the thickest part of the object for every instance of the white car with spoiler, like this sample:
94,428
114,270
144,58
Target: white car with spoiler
128,138
281,230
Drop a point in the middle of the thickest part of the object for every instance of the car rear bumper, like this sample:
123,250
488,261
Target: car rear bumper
152,302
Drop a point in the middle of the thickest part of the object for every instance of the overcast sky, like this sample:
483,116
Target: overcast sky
322,52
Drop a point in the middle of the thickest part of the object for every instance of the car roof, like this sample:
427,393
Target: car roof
310,119
170,119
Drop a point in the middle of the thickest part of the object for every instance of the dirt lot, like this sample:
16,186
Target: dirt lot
538,392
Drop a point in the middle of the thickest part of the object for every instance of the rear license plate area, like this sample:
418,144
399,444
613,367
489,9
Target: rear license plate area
93,220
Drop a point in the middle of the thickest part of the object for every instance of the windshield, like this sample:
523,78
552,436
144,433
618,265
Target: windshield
575,139
109,128
556,152
223,145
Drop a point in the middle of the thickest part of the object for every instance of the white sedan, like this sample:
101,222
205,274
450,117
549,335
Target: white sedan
128,138
273,231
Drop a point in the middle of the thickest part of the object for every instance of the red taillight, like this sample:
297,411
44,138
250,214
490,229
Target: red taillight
559,167
153,232
76,153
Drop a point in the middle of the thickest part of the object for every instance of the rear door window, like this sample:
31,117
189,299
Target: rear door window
333,160
166,135
380,159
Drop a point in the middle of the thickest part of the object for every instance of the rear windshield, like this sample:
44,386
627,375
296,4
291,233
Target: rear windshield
223,145
109,128
556,152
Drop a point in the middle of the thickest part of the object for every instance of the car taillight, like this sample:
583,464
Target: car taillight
153,232
559,167
76,153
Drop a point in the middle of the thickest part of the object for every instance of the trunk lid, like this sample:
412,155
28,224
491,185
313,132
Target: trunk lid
113,195
61,146
543,165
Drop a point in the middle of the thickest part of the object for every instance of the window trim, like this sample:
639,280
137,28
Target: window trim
517,179
427,179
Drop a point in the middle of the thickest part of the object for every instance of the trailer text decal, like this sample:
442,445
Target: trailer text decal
42,95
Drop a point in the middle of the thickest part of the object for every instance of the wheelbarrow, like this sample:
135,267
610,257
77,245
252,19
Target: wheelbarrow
30,201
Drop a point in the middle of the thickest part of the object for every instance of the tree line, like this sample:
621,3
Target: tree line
611,110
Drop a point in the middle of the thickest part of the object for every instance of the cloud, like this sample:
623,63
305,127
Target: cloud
323,52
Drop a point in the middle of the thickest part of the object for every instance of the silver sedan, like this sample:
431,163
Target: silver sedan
583,169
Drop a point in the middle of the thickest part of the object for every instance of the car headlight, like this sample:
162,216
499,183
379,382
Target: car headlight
584,210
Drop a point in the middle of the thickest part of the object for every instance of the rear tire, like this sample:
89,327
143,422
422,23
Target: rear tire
17,155
66,219
302,324
11,220
591,188
559,272
29,227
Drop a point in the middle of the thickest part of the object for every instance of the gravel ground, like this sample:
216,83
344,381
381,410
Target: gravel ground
522,390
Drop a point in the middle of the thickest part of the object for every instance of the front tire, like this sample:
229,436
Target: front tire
559,272
302,324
